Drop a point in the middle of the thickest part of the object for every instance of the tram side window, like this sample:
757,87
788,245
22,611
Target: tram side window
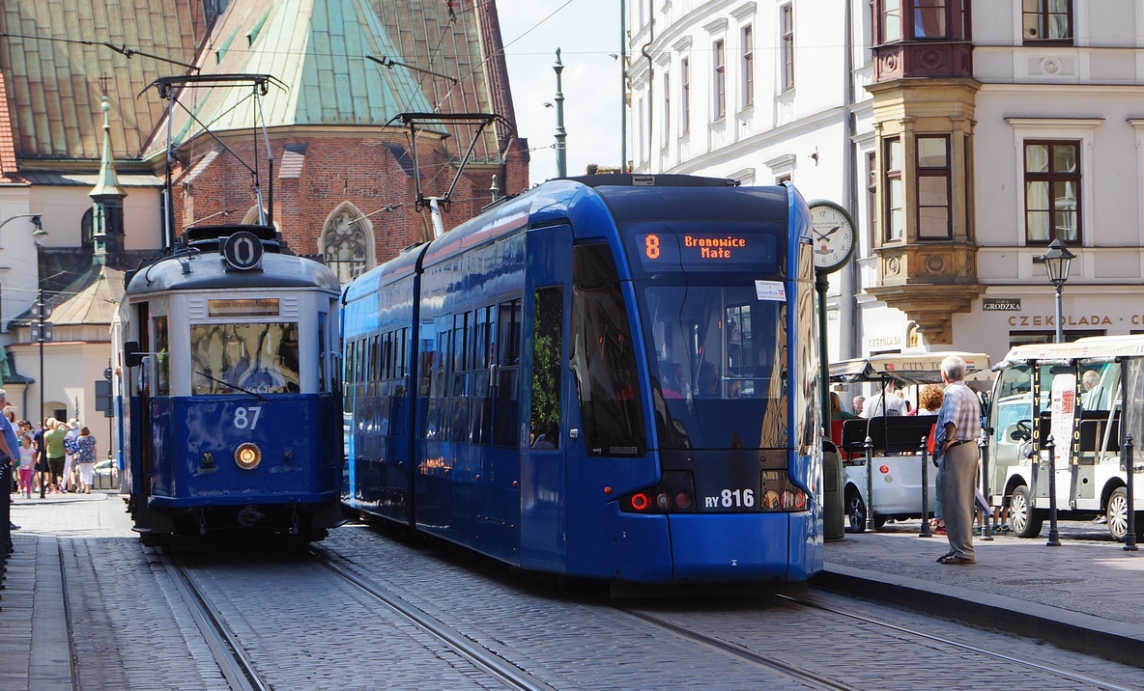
602,358
228,359
506,407
162,357
547,350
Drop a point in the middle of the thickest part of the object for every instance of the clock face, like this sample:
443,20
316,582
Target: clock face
832,236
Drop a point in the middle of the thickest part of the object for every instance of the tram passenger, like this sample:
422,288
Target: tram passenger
549,440
672,382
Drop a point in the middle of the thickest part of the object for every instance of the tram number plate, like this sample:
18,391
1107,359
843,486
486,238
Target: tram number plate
246,417
731,499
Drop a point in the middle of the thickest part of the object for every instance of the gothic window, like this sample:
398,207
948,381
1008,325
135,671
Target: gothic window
345,245
86,231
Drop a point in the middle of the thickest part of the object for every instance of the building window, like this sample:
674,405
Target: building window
1047,20
344,246
933,179
684,96
895,219
891,21
930,19
1052,192
720,81
748,68
872,188
666,107
787,23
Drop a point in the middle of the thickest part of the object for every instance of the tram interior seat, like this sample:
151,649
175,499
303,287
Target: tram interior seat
895,434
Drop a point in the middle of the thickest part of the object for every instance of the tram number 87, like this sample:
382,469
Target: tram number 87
731,498
247,417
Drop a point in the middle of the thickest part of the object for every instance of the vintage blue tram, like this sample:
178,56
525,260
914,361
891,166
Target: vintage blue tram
611,377
231,410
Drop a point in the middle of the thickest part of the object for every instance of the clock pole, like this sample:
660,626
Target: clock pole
821,284
832,240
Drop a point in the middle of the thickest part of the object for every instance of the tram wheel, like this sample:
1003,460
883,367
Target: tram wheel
855,511
1025,519
1117,514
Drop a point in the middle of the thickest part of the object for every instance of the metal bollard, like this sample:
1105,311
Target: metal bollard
869,446
925,532
6,510
987,521
1130,510
1054,536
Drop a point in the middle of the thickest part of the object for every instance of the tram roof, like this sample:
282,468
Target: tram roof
620,198
1092,349
208,271
905,368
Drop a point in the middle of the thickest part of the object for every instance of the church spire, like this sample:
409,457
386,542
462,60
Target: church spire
107,212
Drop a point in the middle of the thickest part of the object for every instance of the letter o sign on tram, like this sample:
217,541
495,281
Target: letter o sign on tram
242,250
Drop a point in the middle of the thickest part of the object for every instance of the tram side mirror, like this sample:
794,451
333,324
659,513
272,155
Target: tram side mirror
132,356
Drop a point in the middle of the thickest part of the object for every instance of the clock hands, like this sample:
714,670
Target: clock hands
823,236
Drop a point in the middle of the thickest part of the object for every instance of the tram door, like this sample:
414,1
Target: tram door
545,450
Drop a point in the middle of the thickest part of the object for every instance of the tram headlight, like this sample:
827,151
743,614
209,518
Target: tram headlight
247,456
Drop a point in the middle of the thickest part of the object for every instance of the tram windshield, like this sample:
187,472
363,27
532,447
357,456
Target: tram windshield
259,358
716,357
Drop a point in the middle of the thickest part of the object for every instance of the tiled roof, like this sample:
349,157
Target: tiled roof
7,151
95,297
316,49
57,179
54,86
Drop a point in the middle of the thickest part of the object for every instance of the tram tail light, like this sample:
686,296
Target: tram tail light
675,493
779,494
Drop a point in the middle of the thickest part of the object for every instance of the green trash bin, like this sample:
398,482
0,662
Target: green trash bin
834,508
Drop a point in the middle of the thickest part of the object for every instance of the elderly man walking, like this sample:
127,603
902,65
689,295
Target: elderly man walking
958,427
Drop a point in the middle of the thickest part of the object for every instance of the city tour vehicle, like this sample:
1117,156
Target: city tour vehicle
1077,394
896,440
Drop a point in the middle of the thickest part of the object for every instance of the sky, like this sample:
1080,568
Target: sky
587,33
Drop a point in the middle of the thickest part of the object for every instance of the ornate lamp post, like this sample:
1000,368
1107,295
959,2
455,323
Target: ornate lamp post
561,135
1057,261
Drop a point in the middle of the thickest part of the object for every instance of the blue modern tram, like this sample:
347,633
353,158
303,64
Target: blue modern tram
230,376
611,377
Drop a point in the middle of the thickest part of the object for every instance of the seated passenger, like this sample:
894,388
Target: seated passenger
885,403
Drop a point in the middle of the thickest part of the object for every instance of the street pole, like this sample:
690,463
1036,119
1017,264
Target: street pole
40,309
1060,333
561,147
623,87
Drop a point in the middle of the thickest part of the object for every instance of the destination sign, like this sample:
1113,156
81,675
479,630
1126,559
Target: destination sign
243,307
668,251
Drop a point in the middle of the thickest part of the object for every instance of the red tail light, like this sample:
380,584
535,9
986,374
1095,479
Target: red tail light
641,501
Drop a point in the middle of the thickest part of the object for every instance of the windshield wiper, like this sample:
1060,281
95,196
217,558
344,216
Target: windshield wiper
233,386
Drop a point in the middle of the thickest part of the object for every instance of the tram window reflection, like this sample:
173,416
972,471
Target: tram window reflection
230,359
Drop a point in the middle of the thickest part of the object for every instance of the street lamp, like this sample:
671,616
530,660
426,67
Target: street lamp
37,228
1057,261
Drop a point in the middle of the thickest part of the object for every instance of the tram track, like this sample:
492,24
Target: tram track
796,668
482,658
233,662
240,671
953,643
